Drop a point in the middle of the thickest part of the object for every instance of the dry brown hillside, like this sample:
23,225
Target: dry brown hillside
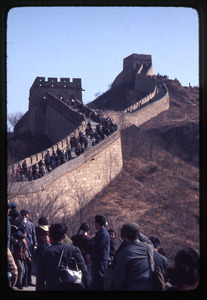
159,185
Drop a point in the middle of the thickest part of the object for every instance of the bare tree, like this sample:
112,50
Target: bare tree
52,205
13,119
81,196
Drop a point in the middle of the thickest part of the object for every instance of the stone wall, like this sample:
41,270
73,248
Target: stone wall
59,119
148,109
87,174
146,113
54,105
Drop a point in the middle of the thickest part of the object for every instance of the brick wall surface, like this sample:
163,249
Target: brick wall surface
88,174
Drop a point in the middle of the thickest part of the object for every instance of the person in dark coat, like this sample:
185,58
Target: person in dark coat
185,274
48,260
133,269
112,246
27,225
100,250
81,240
160,260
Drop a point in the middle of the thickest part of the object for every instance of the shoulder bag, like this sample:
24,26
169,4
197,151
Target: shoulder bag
68,277
157,272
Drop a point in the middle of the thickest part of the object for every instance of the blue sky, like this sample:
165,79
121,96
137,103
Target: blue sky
91,42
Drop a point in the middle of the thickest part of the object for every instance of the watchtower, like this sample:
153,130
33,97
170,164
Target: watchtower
134,61
63,88
134,65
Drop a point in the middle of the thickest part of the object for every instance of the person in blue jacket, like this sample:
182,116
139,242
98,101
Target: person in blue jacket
100,250
49,258
27,225
133,270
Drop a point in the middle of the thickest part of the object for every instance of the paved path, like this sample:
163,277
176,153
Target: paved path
29,288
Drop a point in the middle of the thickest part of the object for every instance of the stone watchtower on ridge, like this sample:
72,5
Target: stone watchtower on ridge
133,65
46,116
64,88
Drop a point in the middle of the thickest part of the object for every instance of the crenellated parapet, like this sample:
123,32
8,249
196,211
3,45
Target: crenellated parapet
66,88
53,82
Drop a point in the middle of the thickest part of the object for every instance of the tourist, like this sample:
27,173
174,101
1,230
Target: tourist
184,276
133,267
100,249
112,246
81,240
41,229
67,240
31,241
19,249
160,260
12,269
48,261
24,167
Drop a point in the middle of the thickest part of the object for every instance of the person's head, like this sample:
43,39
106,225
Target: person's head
57,232
14,214
84,228
45,238
24,214
185,274
13,205
99,222
112,234
43,221
156,242
130,231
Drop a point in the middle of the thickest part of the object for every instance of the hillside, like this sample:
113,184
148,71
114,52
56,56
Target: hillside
159,185
117,98
24,145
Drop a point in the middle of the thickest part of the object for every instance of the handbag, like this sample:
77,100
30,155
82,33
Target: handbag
157,272
68,277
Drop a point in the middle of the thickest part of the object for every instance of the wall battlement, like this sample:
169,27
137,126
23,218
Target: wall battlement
134,60
53,82
60,88
132,65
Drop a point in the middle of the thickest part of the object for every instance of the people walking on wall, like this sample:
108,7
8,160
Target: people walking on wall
48,261
133,267
24,167
104,128
100,250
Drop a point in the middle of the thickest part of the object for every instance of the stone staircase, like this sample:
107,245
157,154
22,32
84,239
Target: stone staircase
93,126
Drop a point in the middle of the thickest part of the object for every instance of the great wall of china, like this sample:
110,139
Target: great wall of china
95,168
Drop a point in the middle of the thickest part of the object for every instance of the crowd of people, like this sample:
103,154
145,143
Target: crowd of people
134,265
51,161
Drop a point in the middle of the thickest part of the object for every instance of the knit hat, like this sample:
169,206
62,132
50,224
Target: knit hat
131,230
